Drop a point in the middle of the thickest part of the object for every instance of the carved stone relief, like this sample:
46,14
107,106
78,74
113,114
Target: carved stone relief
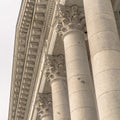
70,18
55,67
44,105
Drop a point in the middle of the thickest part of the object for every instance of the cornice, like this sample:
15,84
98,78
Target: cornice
41,56
31,58
30,36
21,39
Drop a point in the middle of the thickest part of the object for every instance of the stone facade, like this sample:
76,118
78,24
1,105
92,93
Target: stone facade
66,62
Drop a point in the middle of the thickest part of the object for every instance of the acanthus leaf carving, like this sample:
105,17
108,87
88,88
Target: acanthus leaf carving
44,105
70,18
55,67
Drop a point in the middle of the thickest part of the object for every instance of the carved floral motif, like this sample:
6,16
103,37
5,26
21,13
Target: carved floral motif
44,105
55,67
69,18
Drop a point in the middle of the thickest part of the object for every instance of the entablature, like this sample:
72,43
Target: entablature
30,37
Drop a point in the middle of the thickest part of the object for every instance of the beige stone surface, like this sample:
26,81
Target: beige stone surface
105,54
72,27
44,107
56,74
60,100
36,37
82,104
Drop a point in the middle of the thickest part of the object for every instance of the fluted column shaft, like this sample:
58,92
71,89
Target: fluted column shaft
82,104
57,76
105,54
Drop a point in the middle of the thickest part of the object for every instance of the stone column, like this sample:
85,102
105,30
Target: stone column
56,75
105,54
44,109
72,26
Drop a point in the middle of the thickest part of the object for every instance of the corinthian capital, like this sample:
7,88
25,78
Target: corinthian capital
70,17
44,105
55,67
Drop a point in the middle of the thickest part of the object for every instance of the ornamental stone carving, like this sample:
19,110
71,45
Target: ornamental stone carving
55,67
44,105
70,18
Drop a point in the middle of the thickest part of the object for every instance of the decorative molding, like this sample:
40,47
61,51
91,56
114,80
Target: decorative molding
70,18
44,105
36,30
22,33
40,58
55,67
30,32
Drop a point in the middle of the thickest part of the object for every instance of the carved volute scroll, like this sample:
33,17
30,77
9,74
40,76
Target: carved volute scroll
70,18
44,105
55,67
